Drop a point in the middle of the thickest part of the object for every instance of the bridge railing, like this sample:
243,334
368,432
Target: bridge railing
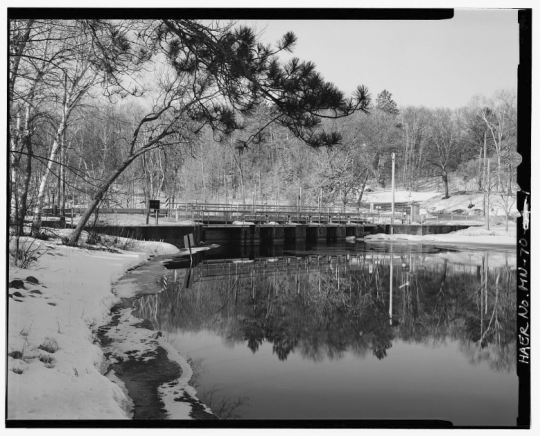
206,212
265,213
280,213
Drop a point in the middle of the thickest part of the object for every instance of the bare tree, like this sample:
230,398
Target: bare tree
56,63
506,200
500,117
443,145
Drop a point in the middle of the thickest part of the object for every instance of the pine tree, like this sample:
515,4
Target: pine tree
223,73
386,104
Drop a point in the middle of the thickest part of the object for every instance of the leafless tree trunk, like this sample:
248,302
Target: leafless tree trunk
38,210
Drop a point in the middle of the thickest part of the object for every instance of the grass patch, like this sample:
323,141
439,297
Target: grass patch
17,370
45,358
48,361
49,345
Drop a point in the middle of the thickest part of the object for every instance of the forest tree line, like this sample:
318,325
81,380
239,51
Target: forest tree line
115,113
435,149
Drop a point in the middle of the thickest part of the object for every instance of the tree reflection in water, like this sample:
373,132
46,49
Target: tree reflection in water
223,406
324,308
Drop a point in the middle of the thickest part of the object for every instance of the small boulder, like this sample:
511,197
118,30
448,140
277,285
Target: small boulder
17,284
32,279
36,291
18,294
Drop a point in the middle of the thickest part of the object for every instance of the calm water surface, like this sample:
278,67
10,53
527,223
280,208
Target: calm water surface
346,331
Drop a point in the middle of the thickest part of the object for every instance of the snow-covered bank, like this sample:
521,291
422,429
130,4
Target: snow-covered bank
55,367
154,373
470,203
471,236
385,196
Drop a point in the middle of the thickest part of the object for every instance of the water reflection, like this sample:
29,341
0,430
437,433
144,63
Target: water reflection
325,304
221,404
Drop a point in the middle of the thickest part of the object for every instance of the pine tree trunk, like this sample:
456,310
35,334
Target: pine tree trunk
98,196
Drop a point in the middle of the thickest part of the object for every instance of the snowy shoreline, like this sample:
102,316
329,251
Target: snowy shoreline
473,237
56,368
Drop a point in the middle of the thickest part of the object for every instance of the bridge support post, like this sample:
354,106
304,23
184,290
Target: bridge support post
336,233
316,233
296,233
273,234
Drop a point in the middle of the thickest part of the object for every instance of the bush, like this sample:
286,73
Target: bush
93,238
127,244
25,252
43,235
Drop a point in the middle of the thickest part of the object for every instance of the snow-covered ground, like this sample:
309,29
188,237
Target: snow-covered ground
55,369
399,196
136,220
476,236
459,204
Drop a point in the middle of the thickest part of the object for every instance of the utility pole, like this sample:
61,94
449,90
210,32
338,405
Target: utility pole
393,191
487,200
484,175
391,277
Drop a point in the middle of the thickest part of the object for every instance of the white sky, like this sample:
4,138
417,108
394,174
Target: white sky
430,63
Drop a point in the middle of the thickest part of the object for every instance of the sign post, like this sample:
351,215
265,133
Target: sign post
188,243
154,204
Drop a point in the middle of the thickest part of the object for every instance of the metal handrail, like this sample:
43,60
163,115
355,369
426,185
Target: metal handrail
205,212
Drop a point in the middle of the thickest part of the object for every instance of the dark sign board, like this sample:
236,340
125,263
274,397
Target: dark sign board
154,204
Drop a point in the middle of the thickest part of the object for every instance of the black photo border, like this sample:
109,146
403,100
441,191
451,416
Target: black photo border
523,306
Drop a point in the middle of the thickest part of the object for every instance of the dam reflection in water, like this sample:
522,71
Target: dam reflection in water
346,331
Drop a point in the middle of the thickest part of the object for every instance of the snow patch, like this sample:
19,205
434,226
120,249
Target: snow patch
400,196
470,236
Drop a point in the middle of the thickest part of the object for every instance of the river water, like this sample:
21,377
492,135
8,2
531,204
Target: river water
346,331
